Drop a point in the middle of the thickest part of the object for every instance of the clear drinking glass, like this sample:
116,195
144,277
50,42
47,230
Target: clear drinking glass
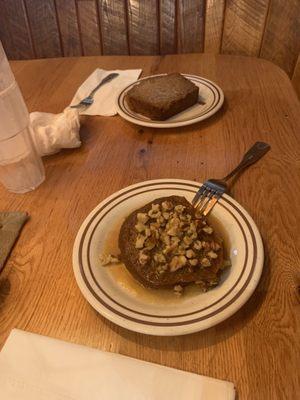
21,168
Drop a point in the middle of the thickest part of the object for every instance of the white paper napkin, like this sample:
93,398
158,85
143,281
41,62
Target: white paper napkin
53,132
105,98
34,367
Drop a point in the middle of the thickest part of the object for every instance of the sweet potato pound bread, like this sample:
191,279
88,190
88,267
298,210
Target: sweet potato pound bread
161,97
163,244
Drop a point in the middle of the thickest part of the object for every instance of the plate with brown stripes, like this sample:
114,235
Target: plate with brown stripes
211,98
117,296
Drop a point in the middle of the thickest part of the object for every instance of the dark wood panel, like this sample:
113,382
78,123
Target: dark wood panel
143,27
190,30
14,30
44,27
214,16
244,26
281,43
89,27
68,25
167,31
113,22
296,77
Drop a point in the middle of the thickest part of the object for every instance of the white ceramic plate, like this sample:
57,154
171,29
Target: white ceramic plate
118,297
209,93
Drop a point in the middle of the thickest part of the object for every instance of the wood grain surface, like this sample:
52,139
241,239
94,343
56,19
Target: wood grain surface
143,27
44,28
190,31
268,29
259,347
113,18
89,27
214,20
244,26
281,42
14,30
167,29
68,27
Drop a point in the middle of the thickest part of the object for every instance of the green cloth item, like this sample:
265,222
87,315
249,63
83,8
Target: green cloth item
11,224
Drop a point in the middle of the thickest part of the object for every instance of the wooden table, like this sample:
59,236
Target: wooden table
259,347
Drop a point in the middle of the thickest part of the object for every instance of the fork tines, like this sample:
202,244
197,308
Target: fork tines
205,199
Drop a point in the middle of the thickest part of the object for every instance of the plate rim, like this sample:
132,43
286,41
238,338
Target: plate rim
174,124
168,330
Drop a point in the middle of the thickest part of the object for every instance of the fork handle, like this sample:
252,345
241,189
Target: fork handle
104,80
255,153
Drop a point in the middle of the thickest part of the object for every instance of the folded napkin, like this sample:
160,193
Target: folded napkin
11,224
34,367
105,98
52,132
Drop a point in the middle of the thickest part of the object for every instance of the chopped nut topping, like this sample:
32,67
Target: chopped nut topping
154,214
178,290
215,246
142,217
169,248
192,228
190,253
187,240
160,220
162,268
154,226
106,259
160,258
179,208
143,258
181,250
154,232
173,234
175,239
205,262
212,254
198,245
173,231
140,227
150,243
139,244
147,232
166,215
167,205
177,262
165,239
155,207
208,229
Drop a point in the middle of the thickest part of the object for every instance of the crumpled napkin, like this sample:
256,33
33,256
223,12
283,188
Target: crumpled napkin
105,98
34,367
52,132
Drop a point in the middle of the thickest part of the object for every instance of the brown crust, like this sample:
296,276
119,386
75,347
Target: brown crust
147,274
159,98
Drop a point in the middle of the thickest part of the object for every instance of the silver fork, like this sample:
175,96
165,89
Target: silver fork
87,101
212,189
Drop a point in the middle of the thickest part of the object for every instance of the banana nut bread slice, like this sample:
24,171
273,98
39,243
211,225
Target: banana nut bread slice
161,97
163,244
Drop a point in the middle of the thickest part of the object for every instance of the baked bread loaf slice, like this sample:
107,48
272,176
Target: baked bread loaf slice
163,244
161,97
